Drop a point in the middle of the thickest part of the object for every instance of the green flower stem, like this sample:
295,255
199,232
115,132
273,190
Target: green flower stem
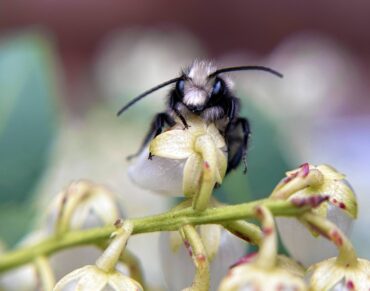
108,260
131,262
245,230
267,255
347,255
169,221
199,255
45,273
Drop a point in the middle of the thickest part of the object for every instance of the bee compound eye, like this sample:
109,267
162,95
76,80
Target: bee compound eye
218,87
180,86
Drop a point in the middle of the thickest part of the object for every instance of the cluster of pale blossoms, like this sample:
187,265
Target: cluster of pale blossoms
203,242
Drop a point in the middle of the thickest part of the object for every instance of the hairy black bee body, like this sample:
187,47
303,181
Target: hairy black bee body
205,91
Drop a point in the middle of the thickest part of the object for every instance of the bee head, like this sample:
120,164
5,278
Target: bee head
199,89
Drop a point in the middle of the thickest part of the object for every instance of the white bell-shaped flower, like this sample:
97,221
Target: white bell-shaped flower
81,205
223,249
266,271
346,272
188,162
340,208
25,277
91,277
104,275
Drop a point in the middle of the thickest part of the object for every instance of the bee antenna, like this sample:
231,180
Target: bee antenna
247,68
142,95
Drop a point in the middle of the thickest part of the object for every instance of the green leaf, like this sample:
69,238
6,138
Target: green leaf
28,110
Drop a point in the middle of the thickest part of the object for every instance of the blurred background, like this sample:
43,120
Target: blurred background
66,67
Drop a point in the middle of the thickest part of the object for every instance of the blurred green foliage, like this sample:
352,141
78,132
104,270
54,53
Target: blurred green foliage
28,121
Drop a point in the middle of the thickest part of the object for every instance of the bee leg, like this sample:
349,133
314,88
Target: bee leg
172,103
237,136
246,134
182,118
156,127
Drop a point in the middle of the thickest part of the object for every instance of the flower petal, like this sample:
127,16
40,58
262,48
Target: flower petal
305,247
192,175
330,173
79,216
206,147
196,125
160,175
175,240
93,280
177,266
342,196
121,282
221,165
329,275
173,144
104,205
218,139
21,278
249,277
211,237
71,277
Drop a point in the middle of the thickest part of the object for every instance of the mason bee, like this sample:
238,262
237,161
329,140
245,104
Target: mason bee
206,91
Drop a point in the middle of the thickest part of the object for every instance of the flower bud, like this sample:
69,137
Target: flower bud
340,208
346,271
92,278
303,245
329,275
266,271
104,275
82,205
244,276
26,277
22,278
